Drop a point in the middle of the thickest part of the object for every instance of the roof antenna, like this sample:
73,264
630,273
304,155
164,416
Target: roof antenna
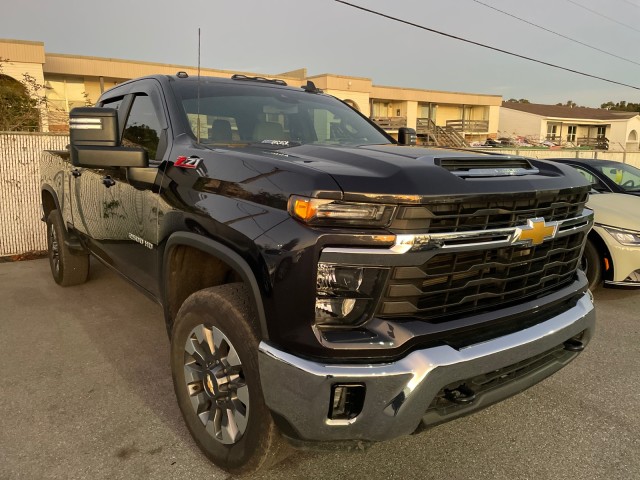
198,104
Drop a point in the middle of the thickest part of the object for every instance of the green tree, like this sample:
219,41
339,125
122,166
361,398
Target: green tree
20,102
570,103
622,105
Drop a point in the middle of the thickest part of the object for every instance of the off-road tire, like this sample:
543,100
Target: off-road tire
68,268
227,310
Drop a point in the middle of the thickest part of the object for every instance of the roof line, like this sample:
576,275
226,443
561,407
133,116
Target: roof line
440,91
159,64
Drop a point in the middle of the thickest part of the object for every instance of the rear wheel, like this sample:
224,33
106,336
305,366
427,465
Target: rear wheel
67,268
591,264
214,362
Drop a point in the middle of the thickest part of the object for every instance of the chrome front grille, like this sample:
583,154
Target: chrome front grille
489,212
471,281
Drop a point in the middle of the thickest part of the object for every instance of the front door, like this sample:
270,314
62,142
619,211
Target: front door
124,232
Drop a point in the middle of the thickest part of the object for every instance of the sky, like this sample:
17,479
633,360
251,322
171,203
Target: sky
275,36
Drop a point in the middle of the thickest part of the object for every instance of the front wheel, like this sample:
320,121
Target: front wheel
214,363
67,268
591,264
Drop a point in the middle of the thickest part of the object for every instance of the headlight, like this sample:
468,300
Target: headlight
315,211
625,237
346,294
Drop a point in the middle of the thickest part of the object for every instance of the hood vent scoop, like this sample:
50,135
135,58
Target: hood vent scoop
487,167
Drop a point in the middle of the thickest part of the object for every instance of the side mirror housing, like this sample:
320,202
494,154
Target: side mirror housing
407,136
94,126
95,141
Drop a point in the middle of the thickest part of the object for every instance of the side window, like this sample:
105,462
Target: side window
621,176
596,183
143,127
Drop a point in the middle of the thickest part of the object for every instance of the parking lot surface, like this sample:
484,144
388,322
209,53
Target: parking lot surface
86,392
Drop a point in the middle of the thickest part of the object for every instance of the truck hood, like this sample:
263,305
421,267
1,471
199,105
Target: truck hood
389,173
386,172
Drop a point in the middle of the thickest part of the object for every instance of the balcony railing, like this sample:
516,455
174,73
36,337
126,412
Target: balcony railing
469,126
600,142
390,123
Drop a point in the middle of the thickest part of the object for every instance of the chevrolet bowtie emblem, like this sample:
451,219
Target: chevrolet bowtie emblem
535,232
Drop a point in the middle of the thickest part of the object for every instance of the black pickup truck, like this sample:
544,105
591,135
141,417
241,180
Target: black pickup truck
320,281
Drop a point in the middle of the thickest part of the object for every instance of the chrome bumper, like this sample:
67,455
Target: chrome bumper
399,393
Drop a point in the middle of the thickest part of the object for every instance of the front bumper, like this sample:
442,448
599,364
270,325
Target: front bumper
625,258
403,395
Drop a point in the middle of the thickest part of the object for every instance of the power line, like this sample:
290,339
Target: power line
395,19
603,16
631,3
556,33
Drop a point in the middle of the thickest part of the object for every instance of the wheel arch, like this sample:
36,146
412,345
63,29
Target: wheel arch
602,248
228,266
49,200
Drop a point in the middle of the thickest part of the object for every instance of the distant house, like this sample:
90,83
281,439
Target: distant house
571,126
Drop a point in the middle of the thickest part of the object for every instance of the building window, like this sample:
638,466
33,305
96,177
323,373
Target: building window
572,130
552,131
602,132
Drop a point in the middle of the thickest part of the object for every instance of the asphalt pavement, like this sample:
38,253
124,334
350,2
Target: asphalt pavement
86,392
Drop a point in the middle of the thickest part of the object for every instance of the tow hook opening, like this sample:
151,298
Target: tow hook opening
573,345
346,401
461,395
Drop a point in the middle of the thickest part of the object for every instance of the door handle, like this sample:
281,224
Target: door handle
76,173
108,181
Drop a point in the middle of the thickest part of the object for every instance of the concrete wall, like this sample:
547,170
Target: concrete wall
447,112
494,120
360,99
20,227
516,123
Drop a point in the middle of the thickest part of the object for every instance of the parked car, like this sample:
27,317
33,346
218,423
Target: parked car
612,251
607,175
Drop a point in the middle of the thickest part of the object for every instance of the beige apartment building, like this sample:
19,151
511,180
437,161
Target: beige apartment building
440,118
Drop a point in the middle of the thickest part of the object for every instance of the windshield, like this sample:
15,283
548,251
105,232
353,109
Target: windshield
626,176
248,114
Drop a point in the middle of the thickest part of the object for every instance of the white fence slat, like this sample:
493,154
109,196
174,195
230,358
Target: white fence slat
20,227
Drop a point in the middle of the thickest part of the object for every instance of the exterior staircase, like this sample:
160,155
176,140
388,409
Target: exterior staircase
439,136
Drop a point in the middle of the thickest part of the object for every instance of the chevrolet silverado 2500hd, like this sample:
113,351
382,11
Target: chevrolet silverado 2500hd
320,282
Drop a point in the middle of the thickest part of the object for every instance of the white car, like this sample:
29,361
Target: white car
612,252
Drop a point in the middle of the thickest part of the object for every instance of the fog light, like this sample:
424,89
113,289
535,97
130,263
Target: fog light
336,277
336,306
345,293
347,401
634,277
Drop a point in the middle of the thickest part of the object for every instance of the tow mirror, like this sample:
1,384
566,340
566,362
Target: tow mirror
407,136
94,126
95,141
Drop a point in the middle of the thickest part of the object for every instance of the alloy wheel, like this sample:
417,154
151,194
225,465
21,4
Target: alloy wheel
54,251
216,385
